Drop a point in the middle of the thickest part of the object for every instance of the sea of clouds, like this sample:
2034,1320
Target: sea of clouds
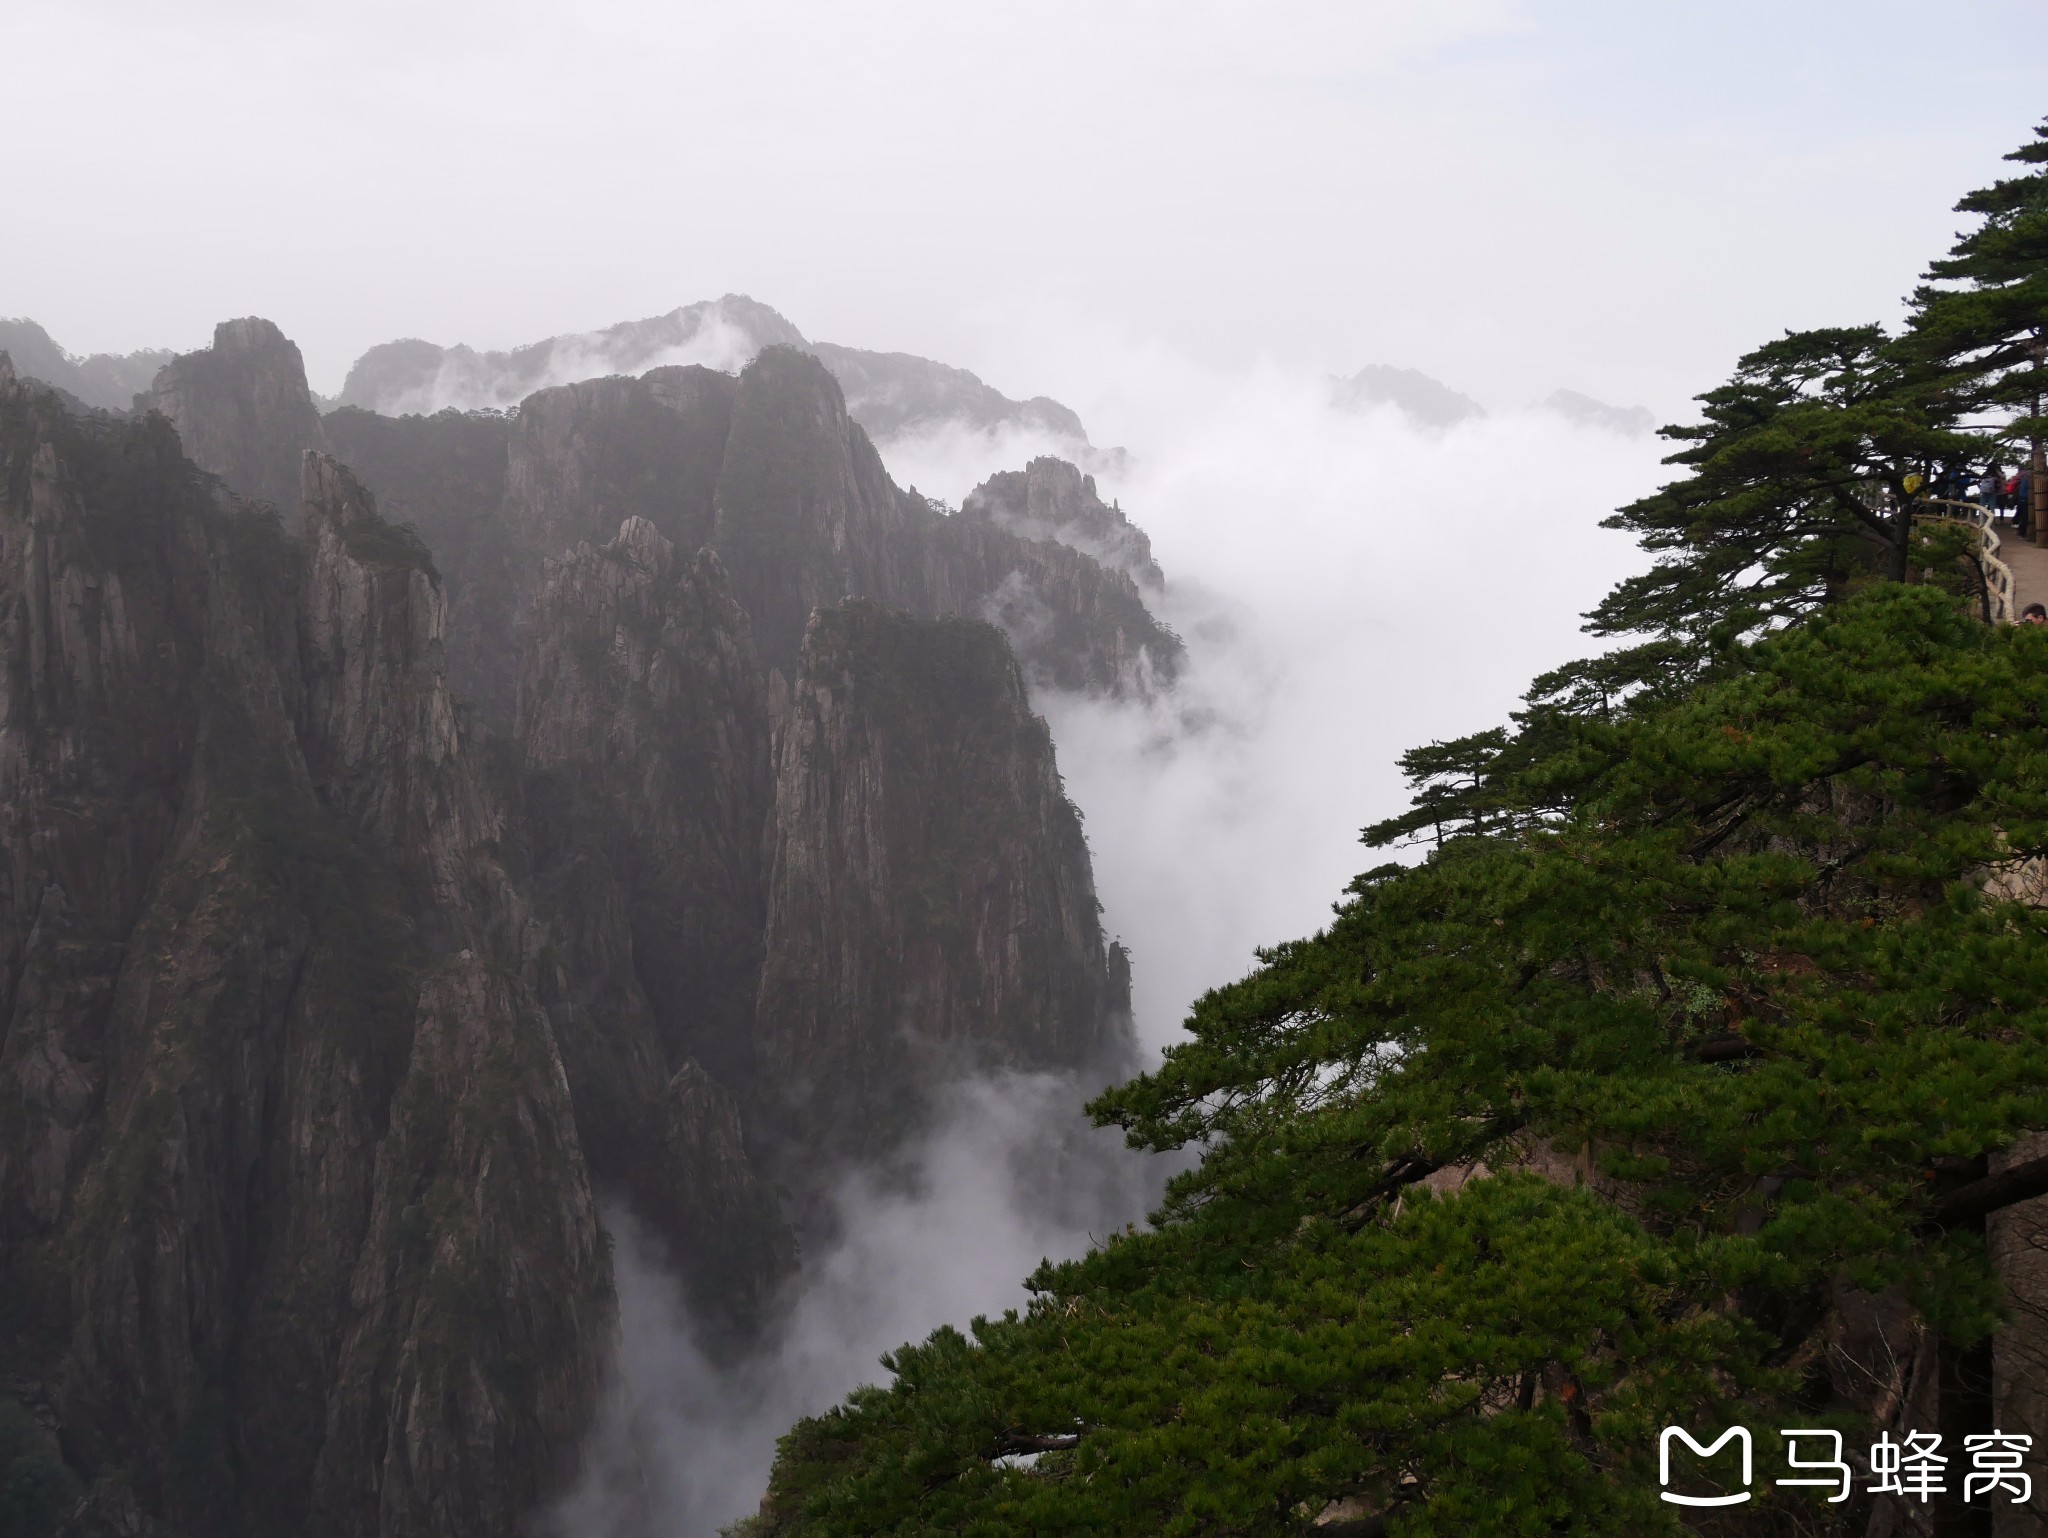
1348,585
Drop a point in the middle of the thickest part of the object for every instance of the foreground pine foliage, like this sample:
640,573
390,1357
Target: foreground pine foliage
1735,1031
1670,1088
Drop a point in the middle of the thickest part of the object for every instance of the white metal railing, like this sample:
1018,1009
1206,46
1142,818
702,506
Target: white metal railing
1996,574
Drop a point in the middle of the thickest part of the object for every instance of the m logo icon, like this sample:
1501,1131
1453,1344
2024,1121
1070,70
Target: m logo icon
1738,1434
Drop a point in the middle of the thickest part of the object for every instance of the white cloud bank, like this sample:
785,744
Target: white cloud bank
1348,586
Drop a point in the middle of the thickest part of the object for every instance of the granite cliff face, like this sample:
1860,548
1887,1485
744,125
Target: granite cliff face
931,908
291,1181
771,471
805,514
333,1005
242,409
644,714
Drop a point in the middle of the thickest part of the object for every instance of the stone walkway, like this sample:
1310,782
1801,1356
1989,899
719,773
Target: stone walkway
2029,563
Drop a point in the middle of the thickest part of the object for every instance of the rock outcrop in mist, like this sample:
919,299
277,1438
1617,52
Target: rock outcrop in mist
1583,410
769,470
1423,399
1431,403
108,381
1051,499
652,814
242,408
888,393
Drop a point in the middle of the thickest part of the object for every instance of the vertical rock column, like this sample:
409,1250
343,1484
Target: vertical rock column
481,1297
931,908
644,721
242,408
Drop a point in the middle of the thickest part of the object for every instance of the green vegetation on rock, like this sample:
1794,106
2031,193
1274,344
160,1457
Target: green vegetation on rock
1679,1066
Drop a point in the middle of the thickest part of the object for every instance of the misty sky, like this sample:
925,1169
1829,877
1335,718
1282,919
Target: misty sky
1510,194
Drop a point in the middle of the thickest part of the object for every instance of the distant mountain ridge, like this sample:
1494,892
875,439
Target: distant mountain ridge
1427,400
103,379
889,393
1587,412
1432,403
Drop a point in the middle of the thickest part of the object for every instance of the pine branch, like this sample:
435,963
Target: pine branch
1980,1198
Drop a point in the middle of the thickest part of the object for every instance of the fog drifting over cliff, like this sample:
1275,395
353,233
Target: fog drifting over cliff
1349,585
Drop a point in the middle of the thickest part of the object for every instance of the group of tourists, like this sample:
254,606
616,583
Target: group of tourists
2007,495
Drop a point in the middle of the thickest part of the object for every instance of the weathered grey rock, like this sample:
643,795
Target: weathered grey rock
1427,401
806,514
382,743
773,473
242,409
412,377
327,1012
1051,499
640,696
896,393
295,1208
585,457
1075,623
481,1299
931,907
643,720
444,478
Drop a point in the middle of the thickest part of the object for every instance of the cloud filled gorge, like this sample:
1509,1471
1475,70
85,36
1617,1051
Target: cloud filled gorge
1348,586
1010,1174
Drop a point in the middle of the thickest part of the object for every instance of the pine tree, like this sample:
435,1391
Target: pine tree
1981,315
1735,1034
1798,491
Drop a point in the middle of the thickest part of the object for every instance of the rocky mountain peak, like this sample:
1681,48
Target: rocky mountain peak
1427,401
414,376
382,737
888,393
805,513
1051,499
242,409
1634,421
640,542
106,381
